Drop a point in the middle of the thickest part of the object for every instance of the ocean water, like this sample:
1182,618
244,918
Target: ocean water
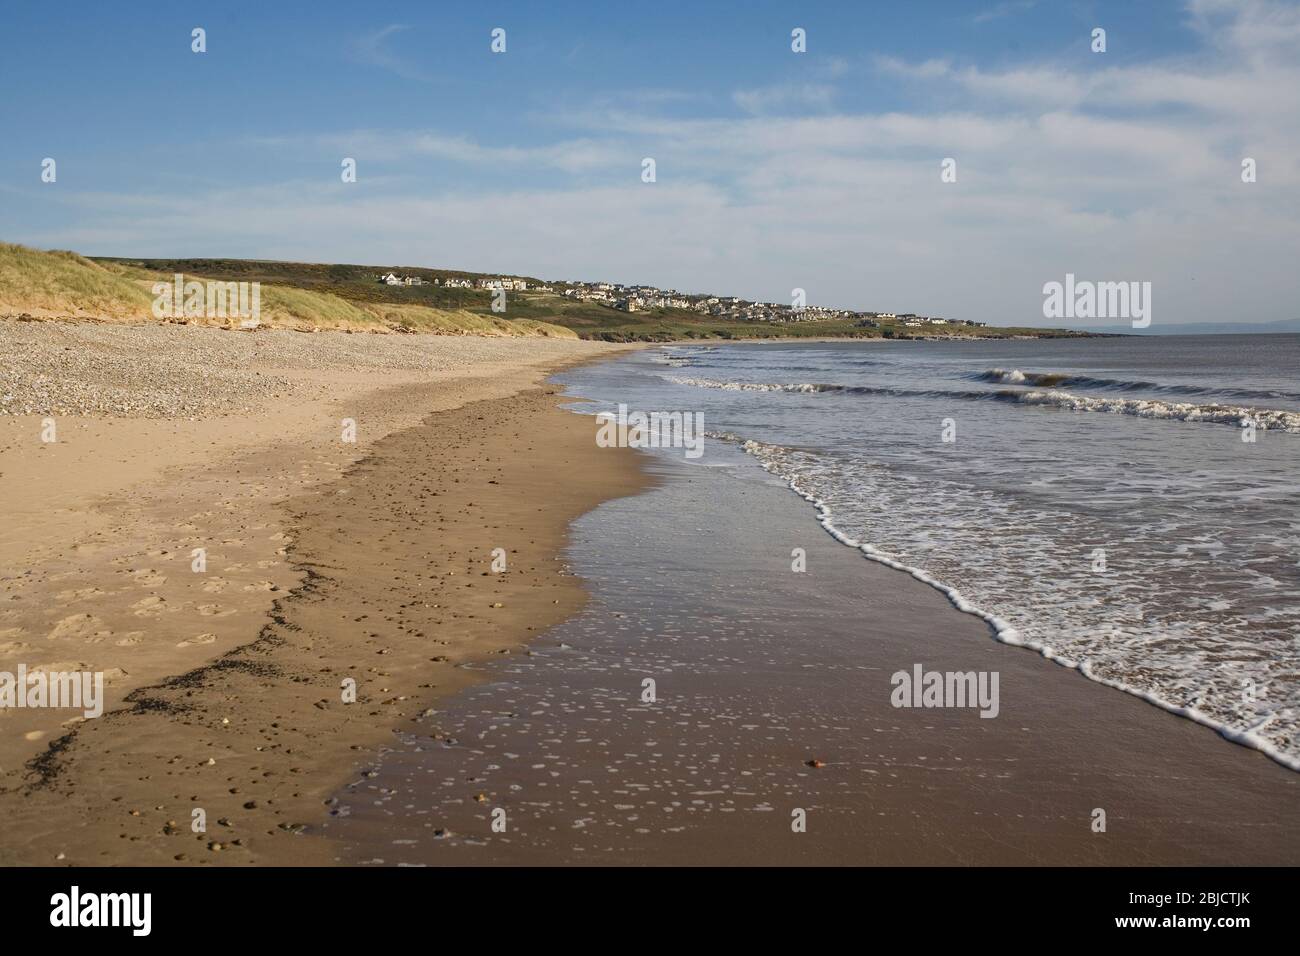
1095,500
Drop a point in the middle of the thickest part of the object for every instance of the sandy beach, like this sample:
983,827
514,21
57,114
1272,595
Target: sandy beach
222,695
772,695
386,642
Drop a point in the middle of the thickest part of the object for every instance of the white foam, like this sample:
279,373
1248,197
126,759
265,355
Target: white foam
768,455
1263,418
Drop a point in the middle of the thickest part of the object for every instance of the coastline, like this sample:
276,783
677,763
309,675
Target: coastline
1007,634
772,693
374,563
102,528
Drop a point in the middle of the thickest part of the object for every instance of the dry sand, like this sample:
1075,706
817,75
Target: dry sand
223,691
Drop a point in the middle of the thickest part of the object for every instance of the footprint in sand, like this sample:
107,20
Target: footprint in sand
130,639
148,578
12,647
79,594
79,627
198,639
213,610
215,585
112,675
260,586
151,606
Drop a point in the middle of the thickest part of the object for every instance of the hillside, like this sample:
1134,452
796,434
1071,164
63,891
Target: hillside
589,319
46,285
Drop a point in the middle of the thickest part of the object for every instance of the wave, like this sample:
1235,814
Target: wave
1264,419
1015,376
771,458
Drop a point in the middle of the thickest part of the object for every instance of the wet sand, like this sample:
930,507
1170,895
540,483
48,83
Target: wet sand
223,693
773,695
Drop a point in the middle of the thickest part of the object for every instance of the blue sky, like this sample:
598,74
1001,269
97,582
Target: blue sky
774,169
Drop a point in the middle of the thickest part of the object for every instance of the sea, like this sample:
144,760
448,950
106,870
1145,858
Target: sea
1125,506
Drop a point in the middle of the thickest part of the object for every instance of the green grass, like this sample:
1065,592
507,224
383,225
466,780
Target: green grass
56,284
64,283
418,318
453,309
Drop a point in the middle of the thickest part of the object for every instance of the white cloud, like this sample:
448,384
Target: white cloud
372,49
784,98
1127,172
1005,9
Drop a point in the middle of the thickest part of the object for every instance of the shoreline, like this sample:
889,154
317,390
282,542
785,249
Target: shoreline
772,693
102,524
375,564
1004,633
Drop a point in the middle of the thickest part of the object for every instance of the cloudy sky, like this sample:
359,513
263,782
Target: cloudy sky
775,169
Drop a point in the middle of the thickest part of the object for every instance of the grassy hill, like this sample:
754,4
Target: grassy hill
338,296
356,284
64,283
67,285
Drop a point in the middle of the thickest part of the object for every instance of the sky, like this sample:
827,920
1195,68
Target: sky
774,170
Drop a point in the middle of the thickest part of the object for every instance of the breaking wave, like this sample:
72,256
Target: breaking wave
1249,732
1264,419
1015,376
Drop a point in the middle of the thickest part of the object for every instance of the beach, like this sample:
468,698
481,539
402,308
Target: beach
431,645
214,699
773,695
771,731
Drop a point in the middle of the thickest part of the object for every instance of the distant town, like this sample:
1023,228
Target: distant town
639,298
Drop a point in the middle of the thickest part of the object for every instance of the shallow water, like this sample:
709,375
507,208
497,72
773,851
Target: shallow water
758,669
1096,501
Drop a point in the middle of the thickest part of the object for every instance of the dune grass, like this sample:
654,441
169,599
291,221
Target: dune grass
64,284
419,318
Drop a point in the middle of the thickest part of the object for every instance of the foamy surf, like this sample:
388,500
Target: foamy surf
770,457
1263,419
1015,376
